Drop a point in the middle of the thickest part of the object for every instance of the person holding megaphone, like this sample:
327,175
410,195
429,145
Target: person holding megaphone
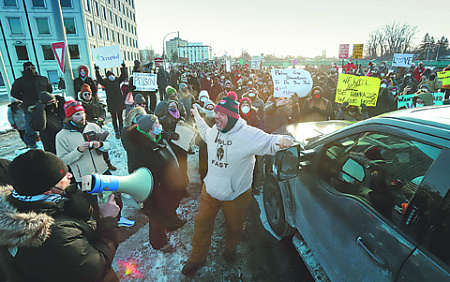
147,146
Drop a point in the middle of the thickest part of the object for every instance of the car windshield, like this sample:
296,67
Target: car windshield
310,131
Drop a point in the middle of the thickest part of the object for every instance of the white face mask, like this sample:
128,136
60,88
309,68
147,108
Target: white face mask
203,99
111,77
383,85
382,74
209,114
419,105
245,109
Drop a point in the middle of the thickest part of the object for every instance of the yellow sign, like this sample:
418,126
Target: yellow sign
357,51
444,76
357,90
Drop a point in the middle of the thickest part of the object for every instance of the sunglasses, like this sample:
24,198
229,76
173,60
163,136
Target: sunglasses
72,104
86,94
140,104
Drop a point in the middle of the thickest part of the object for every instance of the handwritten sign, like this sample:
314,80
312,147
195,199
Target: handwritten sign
343,51
144,81
286,82
357,90
402,60
294,62
228,65
444,76
406,100
256,62
358,51
107,57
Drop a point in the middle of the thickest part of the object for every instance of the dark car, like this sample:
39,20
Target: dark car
368,202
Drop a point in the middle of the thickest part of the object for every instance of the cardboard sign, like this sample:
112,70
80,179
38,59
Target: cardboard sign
107,57
343,51
402,60
444,76
256,62
228,65
144,81
406,100
357,51
357,90
286,82
187,135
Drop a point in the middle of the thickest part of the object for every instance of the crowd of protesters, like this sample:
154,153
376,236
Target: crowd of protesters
237,114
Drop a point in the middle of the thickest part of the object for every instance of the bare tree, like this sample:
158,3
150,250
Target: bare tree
397,36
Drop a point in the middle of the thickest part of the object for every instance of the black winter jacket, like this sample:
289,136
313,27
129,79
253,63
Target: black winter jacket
28,87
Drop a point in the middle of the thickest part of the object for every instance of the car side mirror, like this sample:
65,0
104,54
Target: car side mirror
287,163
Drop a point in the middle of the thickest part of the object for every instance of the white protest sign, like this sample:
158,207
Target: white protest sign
107,57
228,65
256,62
144,81
286,82
402,60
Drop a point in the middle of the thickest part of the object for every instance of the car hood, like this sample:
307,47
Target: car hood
309,131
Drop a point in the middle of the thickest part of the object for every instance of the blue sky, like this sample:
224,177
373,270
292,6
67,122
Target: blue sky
283,27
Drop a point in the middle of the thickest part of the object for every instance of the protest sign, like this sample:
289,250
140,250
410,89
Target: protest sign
357,90
241,61
228,65
294,62
343,51
406,100
144,81
107,57
444,76
286,82
402,60
357,51
256,62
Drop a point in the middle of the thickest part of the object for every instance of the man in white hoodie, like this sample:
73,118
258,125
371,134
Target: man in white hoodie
232,146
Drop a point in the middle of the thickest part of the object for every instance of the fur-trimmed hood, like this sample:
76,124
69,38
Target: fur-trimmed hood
21,229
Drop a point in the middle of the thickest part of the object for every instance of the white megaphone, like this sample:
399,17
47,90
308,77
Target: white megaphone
138,185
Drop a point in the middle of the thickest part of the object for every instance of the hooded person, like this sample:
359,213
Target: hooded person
47,118
147,146
114,97
317,107
84,78
27,88
203,96
257,102
248,113
422,98
16,117
232,146
188,101
163,106
385,103
352,112
433,83
139,101
95,111
45,221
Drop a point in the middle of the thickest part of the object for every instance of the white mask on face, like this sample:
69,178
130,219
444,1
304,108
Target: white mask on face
419,105
245,109
203,99
383,85
209,113
111,77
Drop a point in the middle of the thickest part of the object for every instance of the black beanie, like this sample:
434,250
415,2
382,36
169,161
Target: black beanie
35,172
45,96
27,64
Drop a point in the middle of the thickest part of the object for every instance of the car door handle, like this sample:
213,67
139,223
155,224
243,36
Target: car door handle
379,261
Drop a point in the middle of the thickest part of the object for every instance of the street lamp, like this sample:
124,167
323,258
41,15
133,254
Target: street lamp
164,53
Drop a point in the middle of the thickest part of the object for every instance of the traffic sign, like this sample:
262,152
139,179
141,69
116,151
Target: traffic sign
58,49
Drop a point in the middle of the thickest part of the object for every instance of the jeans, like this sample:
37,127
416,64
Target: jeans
30,134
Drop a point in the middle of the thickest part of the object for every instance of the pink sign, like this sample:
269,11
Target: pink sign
58,49
294,62
344,50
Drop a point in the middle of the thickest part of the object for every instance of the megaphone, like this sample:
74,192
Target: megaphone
138,185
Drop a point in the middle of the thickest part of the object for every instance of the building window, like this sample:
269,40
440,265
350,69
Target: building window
43,27
113,35
10,3
74,52
48,52
104,12
15,25
114,3
90,28
97,12
111,19
65,3
38,3
87,4
118,37
99,31
120,9
107,33
22,53
121,22
117,21
70,26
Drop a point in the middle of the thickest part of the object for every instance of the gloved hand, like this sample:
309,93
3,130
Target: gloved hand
123,64
294,98
14,126
344,105
96,67
363,107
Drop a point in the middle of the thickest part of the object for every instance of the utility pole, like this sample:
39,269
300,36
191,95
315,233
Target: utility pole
61,36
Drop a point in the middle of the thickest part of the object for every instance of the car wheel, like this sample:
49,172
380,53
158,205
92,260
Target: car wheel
273,205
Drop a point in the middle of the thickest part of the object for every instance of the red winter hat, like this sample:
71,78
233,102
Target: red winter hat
85,88
229,106
71,107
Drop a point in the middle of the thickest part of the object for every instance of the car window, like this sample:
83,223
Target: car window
381,169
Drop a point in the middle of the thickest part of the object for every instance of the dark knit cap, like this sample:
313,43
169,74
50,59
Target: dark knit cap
45,96
139,99
145,122
27,64
35,172
229,106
